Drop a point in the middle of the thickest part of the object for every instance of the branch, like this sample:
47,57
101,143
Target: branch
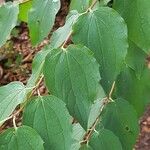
14,122
89,132
93,4
65,42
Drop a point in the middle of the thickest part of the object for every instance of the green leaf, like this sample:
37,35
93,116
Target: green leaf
85,147
78,134
104,2
24,138
50,118
62,33
105,140
8,19
37,66
137,16
95,111
105,33
41,18
75,146
136,59
24,10
73,76
120,117
135,90
10,96
80,5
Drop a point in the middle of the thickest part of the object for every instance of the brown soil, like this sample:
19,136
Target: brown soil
15,65
143,142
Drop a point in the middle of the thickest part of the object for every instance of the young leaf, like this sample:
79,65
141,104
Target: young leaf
80,5
41,18
105,33
24,10
62,33
105,140
120,117
135,90
8,19
73,75
137,16
50,118
37,66
24,138
10,96
136,59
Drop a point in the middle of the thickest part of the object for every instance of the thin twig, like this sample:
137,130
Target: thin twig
93,4
111,91
37,85
14,122
89,132
65,42
106,100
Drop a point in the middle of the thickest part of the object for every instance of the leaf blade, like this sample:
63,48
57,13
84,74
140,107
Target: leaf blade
137,17
8,19
136,59
131,88
24,10
73,71
98,30
11,95
50,118
24,138
105,139
39,24
37,66
115,118
62,33
80,6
